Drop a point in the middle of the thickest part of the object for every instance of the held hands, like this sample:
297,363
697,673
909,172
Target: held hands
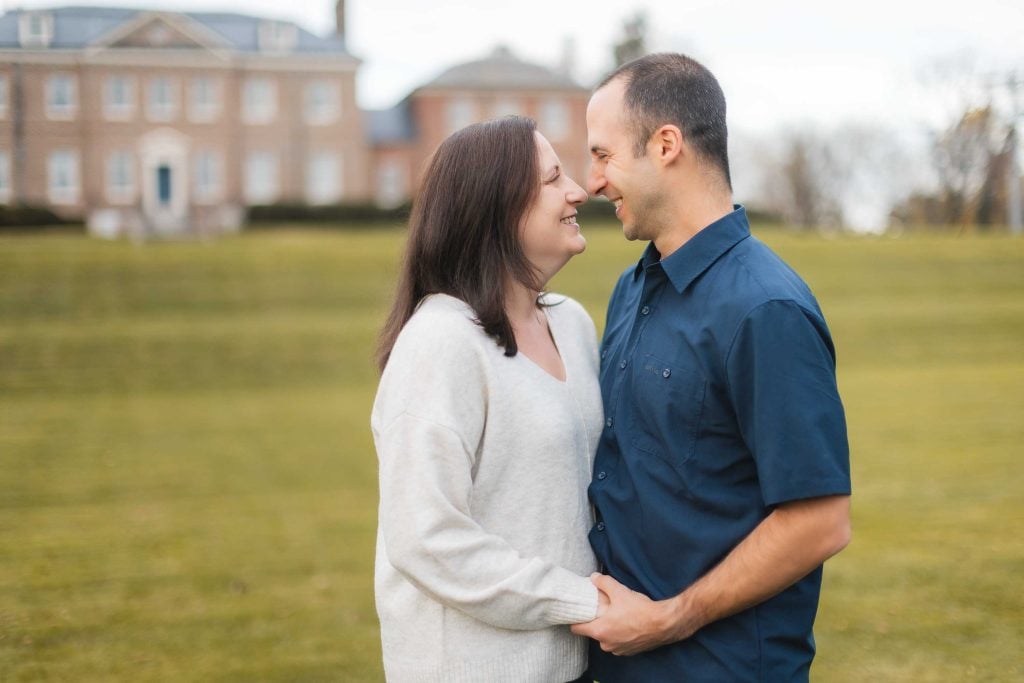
628,622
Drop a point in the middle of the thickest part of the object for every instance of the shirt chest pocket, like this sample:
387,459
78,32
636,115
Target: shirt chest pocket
668,402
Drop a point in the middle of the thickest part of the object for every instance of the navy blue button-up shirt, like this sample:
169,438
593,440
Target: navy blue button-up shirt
718,380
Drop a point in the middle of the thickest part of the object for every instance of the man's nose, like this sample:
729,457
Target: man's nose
595,180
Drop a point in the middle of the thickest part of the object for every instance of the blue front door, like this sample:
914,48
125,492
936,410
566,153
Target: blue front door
163,183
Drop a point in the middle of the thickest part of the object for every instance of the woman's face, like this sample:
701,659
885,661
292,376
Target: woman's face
549,231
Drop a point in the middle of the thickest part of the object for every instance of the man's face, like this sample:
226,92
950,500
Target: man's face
631,183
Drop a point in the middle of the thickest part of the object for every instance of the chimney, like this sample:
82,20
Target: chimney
339,12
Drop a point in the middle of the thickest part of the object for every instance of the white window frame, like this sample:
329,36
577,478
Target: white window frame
460,112
4,95
259,100
63,194
277,36
35,29
162,110
119,111
392,182
324,178
208,176
120,177
322,102
260,189
554,119
209,110
5,176
61,111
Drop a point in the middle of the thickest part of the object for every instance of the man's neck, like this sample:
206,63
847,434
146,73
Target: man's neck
692,214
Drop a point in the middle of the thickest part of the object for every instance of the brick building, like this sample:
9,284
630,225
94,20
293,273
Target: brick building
404,136
162,123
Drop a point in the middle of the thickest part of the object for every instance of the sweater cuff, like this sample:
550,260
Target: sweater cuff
577,603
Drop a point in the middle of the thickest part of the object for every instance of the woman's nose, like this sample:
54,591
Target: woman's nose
576,194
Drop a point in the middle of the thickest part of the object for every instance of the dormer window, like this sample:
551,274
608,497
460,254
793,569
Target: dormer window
35,29
278,36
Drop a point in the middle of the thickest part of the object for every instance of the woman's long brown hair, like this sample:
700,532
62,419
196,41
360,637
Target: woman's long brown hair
464,229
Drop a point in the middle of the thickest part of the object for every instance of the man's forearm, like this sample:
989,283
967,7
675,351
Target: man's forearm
794,539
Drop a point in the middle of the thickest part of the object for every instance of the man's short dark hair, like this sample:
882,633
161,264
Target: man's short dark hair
670,88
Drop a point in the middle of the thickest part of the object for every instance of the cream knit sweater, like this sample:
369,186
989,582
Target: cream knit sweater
482,552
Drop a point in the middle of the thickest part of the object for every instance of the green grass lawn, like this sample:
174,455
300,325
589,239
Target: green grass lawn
188,484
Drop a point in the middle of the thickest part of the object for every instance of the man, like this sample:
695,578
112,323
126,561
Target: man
721,481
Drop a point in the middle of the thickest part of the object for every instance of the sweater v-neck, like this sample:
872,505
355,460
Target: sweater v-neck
558,350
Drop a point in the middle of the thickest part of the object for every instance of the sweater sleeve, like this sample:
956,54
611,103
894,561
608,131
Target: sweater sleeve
429,420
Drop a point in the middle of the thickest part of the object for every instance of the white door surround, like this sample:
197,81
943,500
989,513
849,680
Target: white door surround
163,156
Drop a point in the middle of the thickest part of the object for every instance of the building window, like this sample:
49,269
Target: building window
62,176
277,36
161,102
119,98
61,97
3,96
204,99
554,120
261,178
392,183
323,103
5,176
507,106
121,177
259,100
35,29
323,178
207,176
461,113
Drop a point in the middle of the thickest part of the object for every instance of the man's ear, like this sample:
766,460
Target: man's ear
666,144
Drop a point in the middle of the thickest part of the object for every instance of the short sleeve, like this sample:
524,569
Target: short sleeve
781,370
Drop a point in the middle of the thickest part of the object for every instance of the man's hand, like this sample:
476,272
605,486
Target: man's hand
630,623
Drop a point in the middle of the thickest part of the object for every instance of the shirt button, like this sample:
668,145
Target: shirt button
622,365
608,422
602,475
645,310
604,353
600,526
666,372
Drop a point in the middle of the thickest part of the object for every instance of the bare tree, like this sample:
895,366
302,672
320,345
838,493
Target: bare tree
963,155
847,176
971,152
800,176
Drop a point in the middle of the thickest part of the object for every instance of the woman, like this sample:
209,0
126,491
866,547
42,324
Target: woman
486,421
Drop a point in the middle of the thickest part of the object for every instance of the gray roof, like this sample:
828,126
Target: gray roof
502,70
79,27
390,126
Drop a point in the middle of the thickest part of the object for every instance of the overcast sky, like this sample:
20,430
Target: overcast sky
790,61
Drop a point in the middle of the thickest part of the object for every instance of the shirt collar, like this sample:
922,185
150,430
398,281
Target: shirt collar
685,264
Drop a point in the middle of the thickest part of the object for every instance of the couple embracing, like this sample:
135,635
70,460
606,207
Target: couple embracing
654,509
